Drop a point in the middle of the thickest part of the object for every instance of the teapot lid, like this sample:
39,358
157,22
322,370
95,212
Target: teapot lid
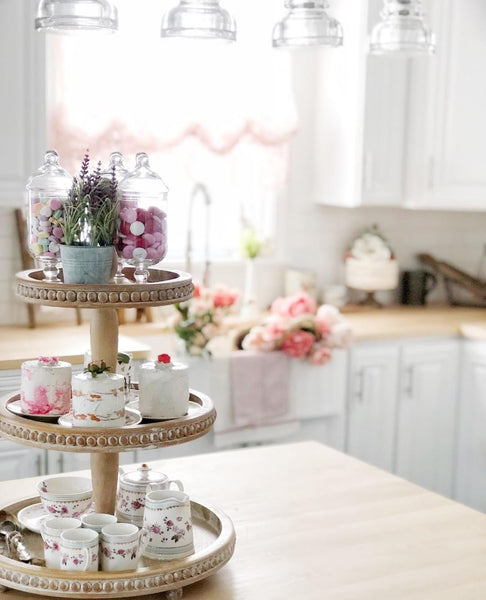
143,476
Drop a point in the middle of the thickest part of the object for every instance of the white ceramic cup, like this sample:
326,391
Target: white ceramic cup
79,550
51,530
96,521
121,546
65,496
168,525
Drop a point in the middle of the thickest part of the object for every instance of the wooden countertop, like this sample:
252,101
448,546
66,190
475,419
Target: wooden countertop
416,321
312,523
145,340
68,342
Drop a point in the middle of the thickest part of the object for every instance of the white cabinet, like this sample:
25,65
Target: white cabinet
445,149
427,405
372,402
17,462
402,406
384,125
470,485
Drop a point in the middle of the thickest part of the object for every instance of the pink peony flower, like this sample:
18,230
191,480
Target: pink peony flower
298,344
293,306
319,354
223,297
341,335
274,331
327,316
254,341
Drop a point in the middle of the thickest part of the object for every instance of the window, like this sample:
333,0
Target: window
219,116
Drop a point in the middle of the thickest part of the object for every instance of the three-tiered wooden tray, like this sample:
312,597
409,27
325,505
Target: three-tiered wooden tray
213,531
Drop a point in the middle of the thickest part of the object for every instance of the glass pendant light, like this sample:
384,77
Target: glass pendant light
76,15
402,30
307,24
198,19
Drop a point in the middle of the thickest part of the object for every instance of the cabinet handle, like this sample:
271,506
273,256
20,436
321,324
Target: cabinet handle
359,392
60,463
368,171
409,382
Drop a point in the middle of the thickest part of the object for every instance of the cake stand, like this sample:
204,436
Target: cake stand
104,445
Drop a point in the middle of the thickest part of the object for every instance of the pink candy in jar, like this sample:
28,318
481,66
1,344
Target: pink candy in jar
142,233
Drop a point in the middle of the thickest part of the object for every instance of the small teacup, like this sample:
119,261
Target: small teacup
65,496
121,546
79,550
51,530
168,525
96,521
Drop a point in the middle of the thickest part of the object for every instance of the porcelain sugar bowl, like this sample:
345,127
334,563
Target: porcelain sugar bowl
132,489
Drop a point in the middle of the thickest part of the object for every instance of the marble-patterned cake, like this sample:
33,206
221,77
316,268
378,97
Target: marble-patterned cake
98,399
45,386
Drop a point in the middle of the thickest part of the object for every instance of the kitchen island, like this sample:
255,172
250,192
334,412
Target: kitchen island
313,524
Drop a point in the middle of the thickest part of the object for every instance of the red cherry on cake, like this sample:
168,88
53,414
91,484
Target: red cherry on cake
163,358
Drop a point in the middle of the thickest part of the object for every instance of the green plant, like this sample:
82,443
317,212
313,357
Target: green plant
90,214
96,368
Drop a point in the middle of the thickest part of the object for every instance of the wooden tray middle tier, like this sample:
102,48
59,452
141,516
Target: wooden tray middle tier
51,436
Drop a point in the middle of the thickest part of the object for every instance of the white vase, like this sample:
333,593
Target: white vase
249,300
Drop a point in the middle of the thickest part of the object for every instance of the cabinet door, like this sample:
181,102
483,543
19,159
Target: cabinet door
427,414
17,462
445,149
64,462
372,403
384,125
470,485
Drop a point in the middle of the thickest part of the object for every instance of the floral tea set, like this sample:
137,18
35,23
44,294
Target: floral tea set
151,520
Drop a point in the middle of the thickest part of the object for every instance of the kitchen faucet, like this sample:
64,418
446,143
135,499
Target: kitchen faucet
199,189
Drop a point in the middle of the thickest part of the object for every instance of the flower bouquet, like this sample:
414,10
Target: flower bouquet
201,319
301,329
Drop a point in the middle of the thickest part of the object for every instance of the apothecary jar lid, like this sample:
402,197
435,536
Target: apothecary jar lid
50,176
142,476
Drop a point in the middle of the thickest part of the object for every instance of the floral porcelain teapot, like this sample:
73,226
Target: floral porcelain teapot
132,489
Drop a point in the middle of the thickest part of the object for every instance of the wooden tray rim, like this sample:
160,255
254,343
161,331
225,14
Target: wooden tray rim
155,434
165,576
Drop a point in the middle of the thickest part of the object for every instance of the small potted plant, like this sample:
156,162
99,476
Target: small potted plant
89,225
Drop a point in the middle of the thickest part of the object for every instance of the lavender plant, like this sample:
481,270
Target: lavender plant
90,214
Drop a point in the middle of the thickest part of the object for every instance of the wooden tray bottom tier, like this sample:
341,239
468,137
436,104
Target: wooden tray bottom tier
214,539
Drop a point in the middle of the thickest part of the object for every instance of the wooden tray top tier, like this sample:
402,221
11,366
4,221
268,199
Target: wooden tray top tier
51,436
163,287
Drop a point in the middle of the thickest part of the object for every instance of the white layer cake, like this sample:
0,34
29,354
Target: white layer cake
45,387
371,275
163,390
98,401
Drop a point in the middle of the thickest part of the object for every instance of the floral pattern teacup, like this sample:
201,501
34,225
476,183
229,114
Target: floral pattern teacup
79,550
168,525
121,546
51,530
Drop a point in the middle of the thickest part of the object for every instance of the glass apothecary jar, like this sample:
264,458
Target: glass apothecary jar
117,168
47,191
142,232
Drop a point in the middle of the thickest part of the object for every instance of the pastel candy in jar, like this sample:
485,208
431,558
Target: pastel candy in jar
142,231
47,192
45,386
163,388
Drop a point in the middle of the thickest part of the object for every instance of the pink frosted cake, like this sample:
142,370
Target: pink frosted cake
45,387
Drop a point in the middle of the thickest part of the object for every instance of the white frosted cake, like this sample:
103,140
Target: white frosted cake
371,275
370,264
45,386
163,388
98,399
